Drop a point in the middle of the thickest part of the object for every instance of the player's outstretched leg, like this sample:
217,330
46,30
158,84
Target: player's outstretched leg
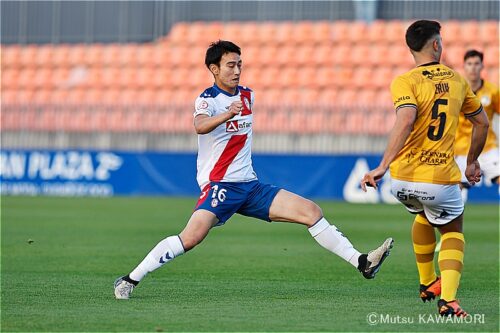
424,244
289,207
166,250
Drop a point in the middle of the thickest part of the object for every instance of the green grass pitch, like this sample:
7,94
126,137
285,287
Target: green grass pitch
247,276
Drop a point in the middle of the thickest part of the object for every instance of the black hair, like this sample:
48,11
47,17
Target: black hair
473,53
218,49
419,33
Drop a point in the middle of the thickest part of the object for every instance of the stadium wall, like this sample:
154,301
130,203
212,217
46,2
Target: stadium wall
126,173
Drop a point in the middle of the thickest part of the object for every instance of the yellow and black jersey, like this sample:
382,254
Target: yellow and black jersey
439,94
488,95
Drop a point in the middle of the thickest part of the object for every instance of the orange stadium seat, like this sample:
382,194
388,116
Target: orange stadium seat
247,34
375,32
93,96
284,33
336,122
346,97
11,57
357,32
144,56
76,55
26,78
453,56
27,56
382,77
230,30
42,79
327,96
195,33
310,96
491,55
288,78
265,33
111,55
303,33
341,54
489,30
363,78
395,32
451,33
356,123
469,32
10,78
250,77
340,32
93,55
305,77
8,97
366,97
360,54
378,54
60,56
178,32
322,56
343,77
304,55
322,32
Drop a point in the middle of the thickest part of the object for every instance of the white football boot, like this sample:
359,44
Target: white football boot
369,264
123,289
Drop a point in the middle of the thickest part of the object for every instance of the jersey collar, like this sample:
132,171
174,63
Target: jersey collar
482,85
225,92
429,64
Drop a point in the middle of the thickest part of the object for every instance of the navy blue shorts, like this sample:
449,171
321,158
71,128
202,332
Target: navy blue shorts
249,198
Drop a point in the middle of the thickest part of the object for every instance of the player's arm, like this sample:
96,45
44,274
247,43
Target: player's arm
405,118
205,124
480,126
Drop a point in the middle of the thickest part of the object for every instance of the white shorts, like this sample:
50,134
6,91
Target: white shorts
440,203
489,162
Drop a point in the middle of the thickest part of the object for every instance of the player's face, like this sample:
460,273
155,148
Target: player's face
472,68
227,75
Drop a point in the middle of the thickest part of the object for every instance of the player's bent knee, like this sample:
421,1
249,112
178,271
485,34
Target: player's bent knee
311,213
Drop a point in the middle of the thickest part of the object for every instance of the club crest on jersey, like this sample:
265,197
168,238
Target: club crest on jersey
232,126
202,105
214,203
485,100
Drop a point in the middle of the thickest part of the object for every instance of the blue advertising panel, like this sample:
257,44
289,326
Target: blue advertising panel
108,173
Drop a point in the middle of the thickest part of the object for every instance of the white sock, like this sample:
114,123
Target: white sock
329,237
163,252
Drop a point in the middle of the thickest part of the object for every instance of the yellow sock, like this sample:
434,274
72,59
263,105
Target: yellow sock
451,259
424,244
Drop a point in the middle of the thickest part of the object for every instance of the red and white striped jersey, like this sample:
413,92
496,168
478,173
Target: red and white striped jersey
225,154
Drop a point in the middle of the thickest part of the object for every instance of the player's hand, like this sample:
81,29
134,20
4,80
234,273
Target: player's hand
371,178
473,172
235,108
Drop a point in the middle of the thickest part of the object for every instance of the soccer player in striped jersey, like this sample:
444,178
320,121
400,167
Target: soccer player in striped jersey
425,178
488,94
223,119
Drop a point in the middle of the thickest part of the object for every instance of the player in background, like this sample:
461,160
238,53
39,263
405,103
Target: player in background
223,120
425,178
487,93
